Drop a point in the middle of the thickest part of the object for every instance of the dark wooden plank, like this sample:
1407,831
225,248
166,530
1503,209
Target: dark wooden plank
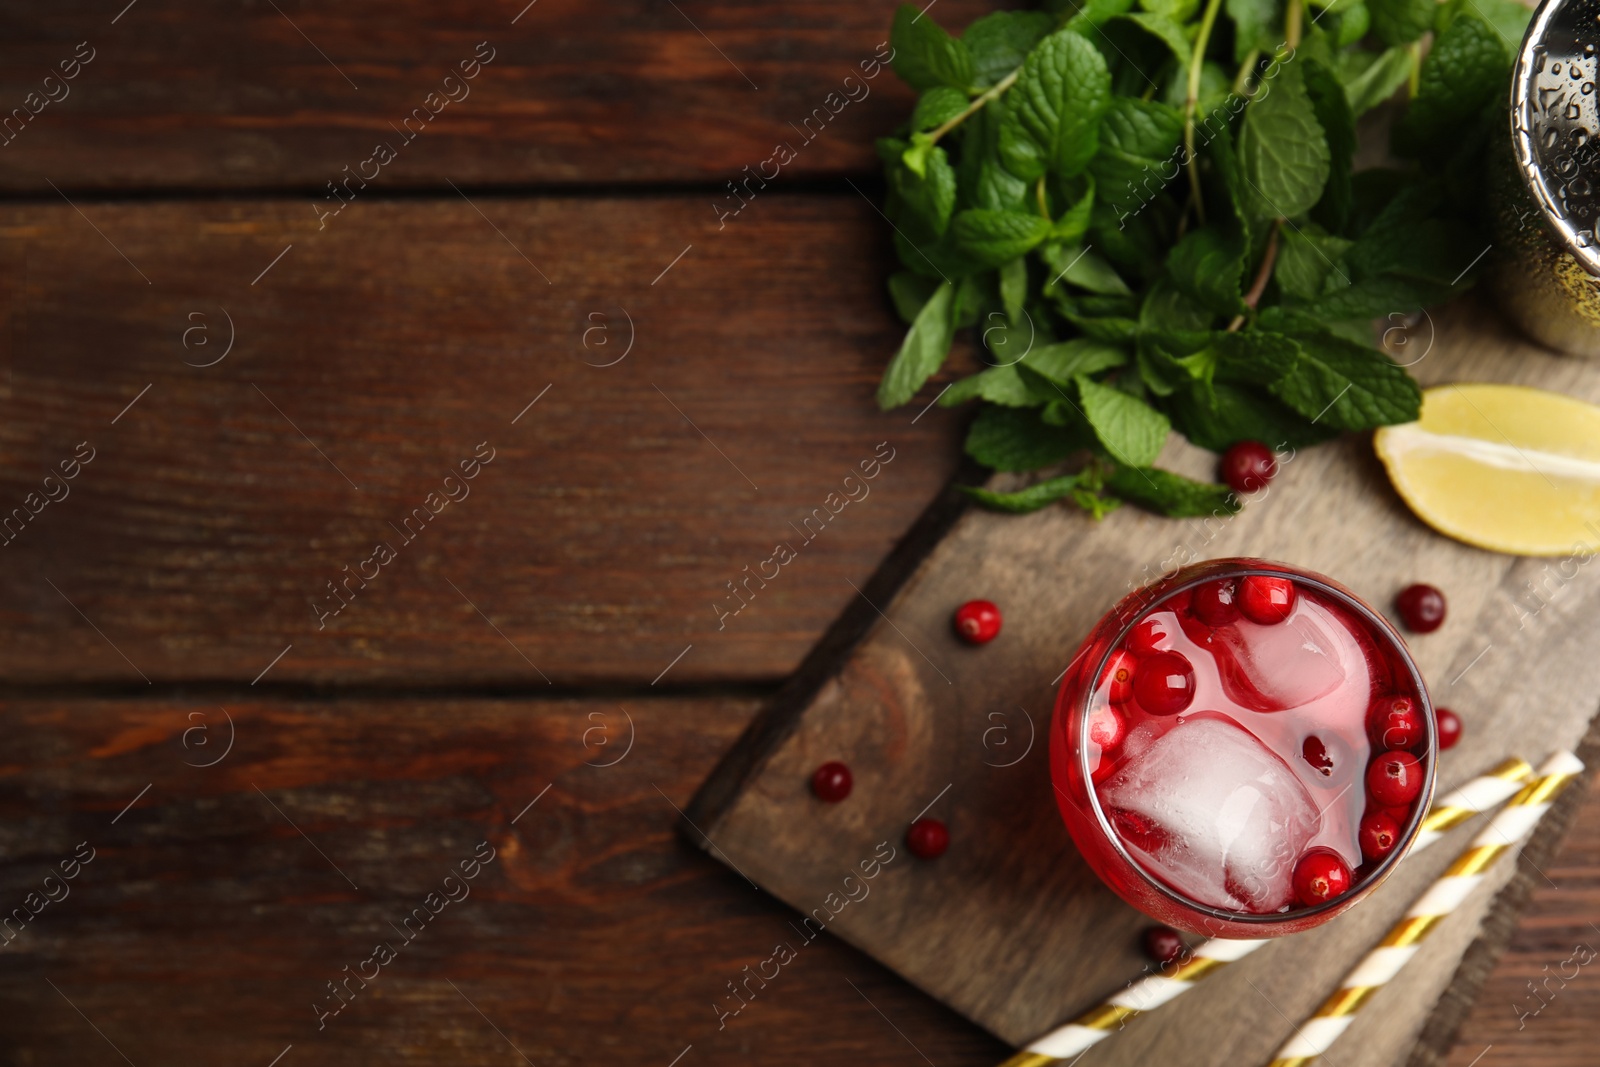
376,355
206,922
1039,938
1553,1021
178,96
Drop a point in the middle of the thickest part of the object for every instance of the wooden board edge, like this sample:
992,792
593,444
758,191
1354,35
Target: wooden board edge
1439,1030
775,722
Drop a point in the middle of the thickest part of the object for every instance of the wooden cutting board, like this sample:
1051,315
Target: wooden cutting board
1010,927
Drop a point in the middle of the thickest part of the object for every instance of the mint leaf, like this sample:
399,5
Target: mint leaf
1258,26
1307,261
1164,29
1084,269
999,42
1372,298
1089,15
1255,357
925,55
1010,439
991,238
1171,494
909,293
930,197
1014,287
1131,430
1508,18
1401,21
1063,361
1138,139
1223,414
998,385
936,107
1332,109
1347,386
1465,69
1023,501
1054,110
1207,266
922,352
1282,151
1366,86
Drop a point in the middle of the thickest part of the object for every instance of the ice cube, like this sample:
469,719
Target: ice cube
1214,813
1291,663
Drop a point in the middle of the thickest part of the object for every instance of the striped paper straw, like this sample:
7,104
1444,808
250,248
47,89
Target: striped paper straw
1154,990
1503,834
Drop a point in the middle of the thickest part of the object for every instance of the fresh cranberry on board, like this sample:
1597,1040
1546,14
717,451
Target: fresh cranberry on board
831,782
927,839
978,622
1449,727
1248,466
1421,608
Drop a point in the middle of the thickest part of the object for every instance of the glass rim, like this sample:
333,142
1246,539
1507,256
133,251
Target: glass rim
1238,567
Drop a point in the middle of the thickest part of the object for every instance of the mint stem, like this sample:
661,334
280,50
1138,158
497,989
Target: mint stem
989,94
1191,102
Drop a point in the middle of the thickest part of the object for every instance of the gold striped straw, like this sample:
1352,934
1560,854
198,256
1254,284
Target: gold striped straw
1504,833
1154,990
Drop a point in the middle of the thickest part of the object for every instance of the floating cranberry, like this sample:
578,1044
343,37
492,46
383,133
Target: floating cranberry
1216,603
1394,722
1106,728
1320,876
1394,779
1449,727
1248,466
1119,673
1265,598
927,839
1150,635
1379,833
1164,945
1315,753
831,782
978,622
1163,684
1421,608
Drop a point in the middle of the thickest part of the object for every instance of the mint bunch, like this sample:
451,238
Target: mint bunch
1150,216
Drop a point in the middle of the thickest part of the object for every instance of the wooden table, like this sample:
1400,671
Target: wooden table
276,740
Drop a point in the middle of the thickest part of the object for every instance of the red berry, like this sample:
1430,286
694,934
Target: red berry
1394,779
1248,466
1394,723
1150,635
1106,727
977,622
1216,603
1119,673
927,839
1163,684
1421,608
1164,945
1320,876
1380,832
1265,598
831,782
1449,727
1315,753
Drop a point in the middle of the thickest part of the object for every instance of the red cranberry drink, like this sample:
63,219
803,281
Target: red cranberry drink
1243,749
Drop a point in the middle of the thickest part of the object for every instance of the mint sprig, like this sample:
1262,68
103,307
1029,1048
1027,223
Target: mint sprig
1151,219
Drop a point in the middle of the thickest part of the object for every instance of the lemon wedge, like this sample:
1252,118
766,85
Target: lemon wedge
1503,467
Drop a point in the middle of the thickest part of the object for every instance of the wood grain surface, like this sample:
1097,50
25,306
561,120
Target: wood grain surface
289,94
175,195
380,353
1039,938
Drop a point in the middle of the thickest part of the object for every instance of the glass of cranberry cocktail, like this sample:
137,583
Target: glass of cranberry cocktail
1243,749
